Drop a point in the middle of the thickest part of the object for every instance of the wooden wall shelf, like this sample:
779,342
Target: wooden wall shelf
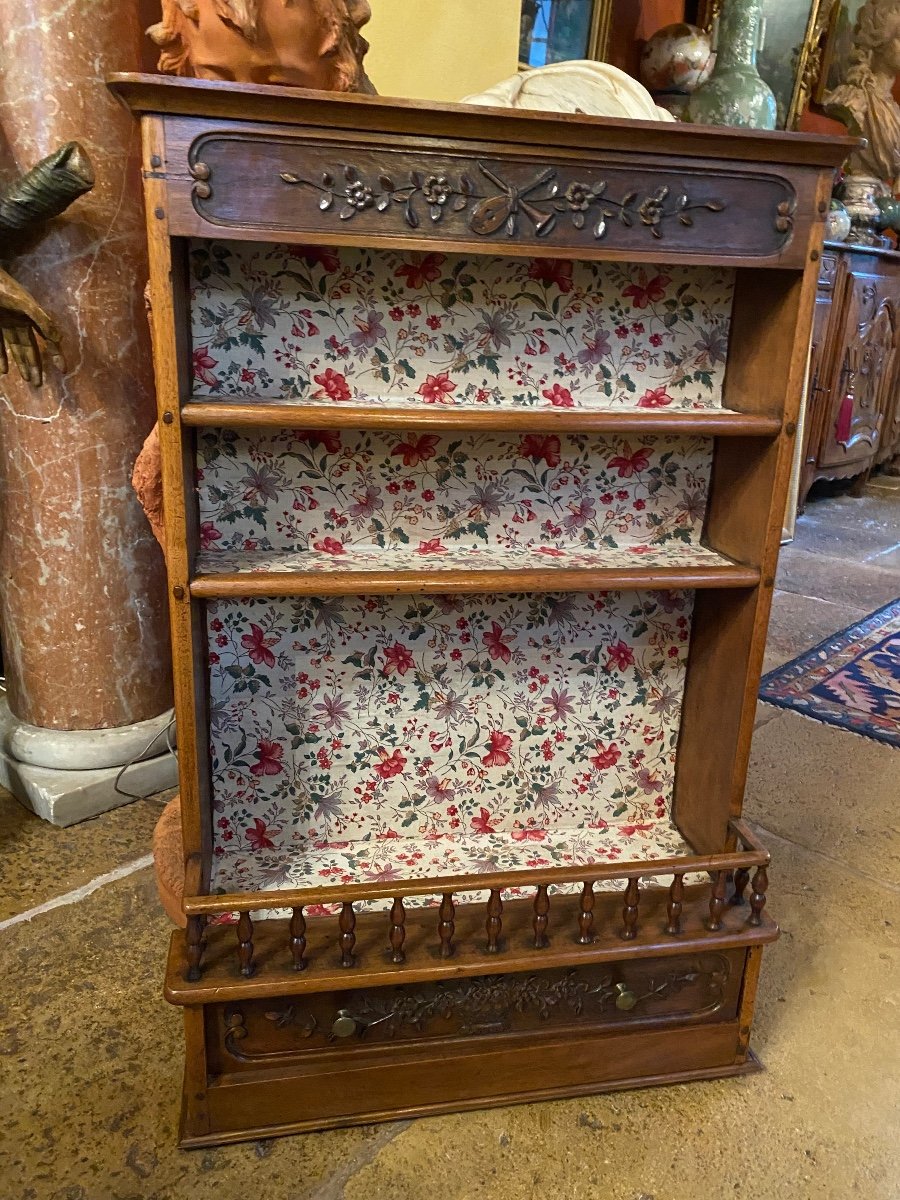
461,784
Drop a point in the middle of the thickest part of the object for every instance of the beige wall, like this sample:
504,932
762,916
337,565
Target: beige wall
441,49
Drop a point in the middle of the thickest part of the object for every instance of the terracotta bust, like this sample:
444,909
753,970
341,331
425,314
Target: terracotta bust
864,102
298,43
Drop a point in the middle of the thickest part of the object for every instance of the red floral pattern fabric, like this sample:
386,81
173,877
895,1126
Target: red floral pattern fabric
344,500
376,860
377,326
389,720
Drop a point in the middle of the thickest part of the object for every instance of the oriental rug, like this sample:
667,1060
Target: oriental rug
852,679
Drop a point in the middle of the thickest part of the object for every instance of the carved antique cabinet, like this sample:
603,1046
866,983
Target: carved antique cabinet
476,433
853,404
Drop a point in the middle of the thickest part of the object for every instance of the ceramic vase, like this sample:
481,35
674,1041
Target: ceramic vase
735,93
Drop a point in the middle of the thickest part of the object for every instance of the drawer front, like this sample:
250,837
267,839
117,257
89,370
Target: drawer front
296,187
690,988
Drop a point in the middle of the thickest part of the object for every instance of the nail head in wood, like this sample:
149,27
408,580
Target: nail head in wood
155,160
159,213
815,256
168,418
178,592
790,429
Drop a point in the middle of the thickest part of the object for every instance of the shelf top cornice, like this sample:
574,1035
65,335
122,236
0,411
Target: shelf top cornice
211,99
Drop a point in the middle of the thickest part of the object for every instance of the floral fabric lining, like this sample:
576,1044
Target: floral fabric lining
334,325
449,854
347,500
379,718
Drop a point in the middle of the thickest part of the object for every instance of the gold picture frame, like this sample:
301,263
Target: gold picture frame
596,42
798,33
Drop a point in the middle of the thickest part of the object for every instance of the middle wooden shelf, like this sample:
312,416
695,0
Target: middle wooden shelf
434,568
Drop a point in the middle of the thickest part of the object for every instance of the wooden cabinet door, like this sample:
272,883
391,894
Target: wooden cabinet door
890,434
865,372
821,365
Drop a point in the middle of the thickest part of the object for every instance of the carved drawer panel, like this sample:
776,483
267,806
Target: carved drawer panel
688,988
310,188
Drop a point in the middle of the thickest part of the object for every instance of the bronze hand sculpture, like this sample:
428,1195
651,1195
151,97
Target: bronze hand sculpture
42,193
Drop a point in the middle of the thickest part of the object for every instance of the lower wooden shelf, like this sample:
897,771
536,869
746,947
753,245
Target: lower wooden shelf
314,950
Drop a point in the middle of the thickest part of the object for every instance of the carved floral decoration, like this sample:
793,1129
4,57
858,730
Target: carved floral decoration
485,1004
541,201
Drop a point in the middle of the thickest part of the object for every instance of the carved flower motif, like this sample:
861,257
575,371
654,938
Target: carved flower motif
360,195
437,189
580,196
651,210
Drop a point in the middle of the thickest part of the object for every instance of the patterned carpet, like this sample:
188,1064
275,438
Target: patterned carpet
852,679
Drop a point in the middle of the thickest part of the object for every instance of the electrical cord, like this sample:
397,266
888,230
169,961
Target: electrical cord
167,733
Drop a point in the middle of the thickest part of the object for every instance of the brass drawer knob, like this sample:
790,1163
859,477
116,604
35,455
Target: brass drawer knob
626,999
344,1024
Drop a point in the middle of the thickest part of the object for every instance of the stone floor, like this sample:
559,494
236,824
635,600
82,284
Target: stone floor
91,1055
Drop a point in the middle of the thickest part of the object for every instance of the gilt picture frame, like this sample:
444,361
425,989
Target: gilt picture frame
837,47
558,30
795,44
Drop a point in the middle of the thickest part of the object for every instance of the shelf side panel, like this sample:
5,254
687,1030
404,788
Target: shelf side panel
170,324
766,372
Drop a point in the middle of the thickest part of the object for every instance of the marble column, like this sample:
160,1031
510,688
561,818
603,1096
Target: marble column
82,596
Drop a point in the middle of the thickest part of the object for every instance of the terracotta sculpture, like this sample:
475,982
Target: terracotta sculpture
44,192
864,102
298,43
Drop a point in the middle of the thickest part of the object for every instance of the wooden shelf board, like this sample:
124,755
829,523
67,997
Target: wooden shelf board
252,412
370,572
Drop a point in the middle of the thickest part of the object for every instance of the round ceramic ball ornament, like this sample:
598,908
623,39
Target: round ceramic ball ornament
677,59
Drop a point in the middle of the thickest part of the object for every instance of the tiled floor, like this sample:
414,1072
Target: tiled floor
90,1055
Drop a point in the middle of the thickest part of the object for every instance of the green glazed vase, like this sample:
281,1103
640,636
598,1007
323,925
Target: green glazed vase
735,93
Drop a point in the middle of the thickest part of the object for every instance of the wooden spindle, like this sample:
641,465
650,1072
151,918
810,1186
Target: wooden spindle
630,911
675,905
741,879
541,917
717,902
245,943
586,917
447,925
347,925
494,923
758,895
194,948
398,930
298,939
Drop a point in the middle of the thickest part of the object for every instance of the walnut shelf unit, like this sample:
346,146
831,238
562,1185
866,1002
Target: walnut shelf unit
465,690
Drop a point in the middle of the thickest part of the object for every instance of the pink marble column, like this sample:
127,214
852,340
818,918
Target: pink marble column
82,597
